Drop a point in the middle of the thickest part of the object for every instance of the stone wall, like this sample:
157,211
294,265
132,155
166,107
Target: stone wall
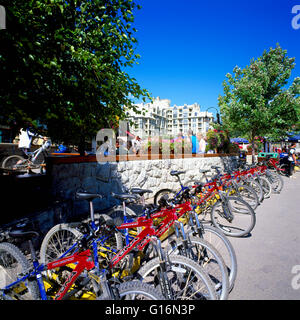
66,175
107,177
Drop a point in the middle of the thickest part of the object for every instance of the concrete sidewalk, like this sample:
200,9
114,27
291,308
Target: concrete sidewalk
267,257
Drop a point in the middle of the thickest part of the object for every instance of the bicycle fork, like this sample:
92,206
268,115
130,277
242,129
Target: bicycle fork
163,262
225,206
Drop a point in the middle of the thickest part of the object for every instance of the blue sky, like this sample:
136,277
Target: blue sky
187,47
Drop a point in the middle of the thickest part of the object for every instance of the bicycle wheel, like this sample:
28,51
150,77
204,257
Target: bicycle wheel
13,263
117,214
137,290
208,257
276,181
60,238
161,193
257,188
186,279
223,246
284,169
248,194
266,186
11,163
234,217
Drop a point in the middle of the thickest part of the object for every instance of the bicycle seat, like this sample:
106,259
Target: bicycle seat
176,173
124,196
23,234
204,170
140,191
87,196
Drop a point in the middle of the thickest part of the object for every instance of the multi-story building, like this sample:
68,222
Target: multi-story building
159,117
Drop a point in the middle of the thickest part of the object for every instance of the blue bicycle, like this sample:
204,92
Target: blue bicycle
20,281
176,194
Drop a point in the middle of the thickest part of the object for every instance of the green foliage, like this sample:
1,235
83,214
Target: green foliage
63,63
258,144
233,148
218,139
166,144
256,101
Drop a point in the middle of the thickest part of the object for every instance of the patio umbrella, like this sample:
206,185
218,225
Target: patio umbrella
239,140
295,138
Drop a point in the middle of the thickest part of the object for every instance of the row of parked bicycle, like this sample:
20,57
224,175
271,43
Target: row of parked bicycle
176,248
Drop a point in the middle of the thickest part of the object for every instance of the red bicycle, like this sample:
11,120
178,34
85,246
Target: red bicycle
231,215
178,276
20,282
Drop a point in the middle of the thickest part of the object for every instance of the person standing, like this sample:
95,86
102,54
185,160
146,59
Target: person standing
136,144
194,141
25,139
292,159
202,142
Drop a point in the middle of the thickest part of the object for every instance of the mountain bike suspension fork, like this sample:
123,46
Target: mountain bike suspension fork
163,262
224,202
186,248
38,275
93,230
236,188
108,292
198,227
126,231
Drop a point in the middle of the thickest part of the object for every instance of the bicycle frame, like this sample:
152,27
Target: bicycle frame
144,237
83,260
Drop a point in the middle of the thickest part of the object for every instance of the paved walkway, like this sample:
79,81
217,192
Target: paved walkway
267,257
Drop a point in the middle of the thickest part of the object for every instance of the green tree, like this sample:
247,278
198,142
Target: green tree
64,64
256,100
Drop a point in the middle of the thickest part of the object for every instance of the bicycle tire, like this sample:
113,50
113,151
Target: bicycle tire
284,169
257,188
58,240
61,237
276,181
221,222
266,186
135,290
16,264
162,192
116,213
224,247
248,194
209,258
187,270
11,161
